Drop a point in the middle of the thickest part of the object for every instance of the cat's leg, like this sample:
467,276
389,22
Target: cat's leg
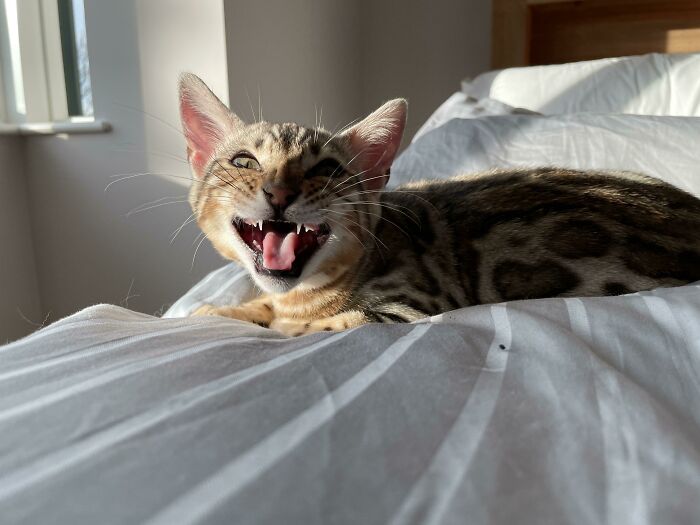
259,311
334,323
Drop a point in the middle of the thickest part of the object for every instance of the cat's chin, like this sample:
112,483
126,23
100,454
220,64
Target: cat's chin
274,284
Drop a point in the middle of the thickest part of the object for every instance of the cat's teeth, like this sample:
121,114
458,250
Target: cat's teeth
299,225
260,224
310,227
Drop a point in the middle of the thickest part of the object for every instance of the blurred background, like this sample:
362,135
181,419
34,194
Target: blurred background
89,97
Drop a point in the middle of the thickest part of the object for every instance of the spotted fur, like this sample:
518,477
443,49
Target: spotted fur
426,247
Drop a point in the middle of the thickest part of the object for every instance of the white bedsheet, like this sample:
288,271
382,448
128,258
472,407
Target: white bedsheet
579,411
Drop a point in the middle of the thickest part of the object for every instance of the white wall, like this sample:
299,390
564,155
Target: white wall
300,55
350,56
19,292
421,50
87,250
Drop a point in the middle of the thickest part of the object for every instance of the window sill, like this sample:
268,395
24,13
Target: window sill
54,128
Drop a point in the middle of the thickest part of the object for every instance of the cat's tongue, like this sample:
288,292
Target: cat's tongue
279,250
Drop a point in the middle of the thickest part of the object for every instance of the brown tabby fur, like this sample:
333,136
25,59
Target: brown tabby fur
433,246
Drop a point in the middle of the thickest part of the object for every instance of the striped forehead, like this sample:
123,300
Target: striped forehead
292,139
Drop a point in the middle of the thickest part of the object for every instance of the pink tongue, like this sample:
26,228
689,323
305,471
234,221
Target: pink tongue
278,251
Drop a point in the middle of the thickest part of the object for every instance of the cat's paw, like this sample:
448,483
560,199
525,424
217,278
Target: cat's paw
242,313
295,328
206,309
335,323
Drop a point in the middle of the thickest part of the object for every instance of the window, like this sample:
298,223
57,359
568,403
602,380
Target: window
44,66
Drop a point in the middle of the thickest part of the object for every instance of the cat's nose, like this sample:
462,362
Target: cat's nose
279,196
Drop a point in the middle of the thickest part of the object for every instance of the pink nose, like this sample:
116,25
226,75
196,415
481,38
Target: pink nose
279,196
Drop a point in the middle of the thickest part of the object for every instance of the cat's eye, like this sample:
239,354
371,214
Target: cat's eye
245,160
328,167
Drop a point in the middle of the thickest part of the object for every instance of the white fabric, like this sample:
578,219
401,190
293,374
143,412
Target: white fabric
654,84
662,147
461,105
578,411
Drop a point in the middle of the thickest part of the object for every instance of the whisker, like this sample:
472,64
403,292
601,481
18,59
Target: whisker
260,104
252,112
412,193
146,113
347,230
171,175
195,252
335,134
230,183
361,181
139,210
330,177
359,225
177,231
393,207
381,217
152,153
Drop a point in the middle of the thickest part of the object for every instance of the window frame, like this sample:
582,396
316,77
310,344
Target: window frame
40,54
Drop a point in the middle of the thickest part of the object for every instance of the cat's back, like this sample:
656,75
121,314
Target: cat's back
545,232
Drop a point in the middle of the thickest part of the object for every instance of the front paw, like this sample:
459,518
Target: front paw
250,315
295,328
206,309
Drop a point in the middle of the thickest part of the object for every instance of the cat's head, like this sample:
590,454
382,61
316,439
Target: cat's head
294,205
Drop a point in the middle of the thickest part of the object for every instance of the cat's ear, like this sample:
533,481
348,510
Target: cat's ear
205,121
376,140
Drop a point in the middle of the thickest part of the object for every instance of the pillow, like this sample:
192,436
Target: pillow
654,84
663,147
461,105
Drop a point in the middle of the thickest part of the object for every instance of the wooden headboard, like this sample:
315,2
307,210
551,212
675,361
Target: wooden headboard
532,32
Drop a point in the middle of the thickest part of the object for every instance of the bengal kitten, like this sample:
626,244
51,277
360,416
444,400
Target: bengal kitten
305,212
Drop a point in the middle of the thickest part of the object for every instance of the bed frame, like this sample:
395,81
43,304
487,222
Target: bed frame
532,32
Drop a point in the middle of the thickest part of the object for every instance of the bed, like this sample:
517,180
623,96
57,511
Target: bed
577,410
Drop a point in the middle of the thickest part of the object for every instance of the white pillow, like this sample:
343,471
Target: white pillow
663,147
461,105
654,84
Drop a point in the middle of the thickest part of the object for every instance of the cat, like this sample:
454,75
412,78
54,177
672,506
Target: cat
306,213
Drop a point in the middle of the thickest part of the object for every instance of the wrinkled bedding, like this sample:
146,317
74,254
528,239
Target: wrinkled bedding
578,411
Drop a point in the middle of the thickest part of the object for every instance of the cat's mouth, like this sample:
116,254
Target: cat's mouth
281,248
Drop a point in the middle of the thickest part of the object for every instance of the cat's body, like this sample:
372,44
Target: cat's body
333,250
526,234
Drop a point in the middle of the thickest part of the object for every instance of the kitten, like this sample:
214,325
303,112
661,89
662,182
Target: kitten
304,211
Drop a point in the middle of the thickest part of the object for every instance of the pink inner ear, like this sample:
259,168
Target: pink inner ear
374,159
200,133
376,141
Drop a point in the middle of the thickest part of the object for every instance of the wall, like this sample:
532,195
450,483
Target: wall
299,55
422,50
88,250
350,57
19,292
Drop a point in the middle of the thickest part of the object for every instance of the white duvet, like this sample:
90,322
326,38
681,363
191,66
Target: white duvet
580,411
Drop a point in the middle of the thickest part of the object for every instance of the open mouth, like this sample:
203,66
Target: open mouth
281,248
